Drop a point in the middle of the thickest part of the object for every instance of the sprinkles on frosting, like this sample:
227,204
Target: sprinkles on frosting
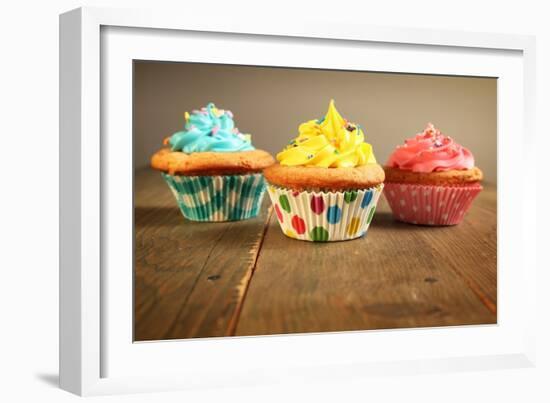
209,129
329,142
431,151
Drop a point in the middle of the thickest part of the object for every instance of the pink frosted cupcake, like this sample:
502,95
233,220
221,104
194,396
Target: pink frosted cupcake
431,180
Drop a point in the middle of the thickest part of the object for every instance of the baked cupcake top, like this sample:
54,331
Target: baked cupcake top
431,157
210,144
329,154
328,142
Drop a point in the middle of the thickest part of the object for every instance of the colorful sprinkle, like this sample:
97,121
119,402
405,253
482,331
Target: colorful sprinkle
317,204
299,225
295,193
285,205
353,226
367,198
319,234
334,214
279,213
350,196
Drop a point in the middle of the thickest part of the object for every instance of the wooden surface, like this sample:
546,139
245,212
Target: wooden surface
247,278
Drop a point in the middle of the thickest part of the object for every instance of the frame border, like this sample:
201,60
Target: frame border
80,306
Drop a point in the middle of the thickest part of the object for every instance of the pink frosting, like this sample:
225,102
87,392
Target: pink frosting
431,151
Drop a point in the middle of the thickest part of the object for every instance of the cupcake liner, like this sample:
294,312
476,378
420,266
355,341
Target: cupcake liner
217,198
430,204
324,216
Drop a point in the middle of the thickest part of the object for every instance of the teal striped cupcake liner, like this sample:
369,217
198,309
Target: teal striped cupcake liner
218,198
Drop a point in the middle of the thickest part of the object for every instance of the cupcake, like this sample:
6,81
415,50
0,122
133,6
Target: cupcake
326,183
212,168
431,179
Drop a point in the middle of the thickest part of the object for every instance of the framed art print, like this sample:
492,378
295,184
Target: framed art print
255,202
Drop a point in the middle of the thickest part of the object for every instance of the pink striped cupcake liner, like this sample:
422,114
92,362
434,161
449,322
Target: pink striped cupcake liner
430,204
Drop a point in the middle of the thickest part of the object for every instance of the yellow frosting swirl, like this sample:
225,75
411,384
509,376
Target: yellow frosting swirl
330,142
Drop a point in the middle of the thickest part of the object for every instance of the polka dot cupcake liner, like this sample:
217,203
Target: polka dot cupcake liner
217,198
429,204
324,216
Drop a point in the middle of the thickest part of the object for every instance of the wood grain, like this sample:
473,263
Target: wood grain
473,248
190,278
247,278
398,276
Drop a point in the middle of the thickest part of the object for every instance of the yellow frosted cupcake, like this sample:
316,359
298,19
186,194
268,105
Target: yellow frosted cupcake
326,183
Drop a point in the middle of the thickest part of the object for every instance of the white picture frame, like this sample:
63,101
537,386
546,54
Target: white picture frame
97,355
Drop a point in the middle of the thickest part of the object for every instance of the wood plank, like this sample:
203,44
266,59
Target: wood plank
398,276
475,260
190,278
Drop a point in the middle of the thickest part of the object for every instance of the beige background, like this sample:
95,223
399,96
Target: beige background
270,103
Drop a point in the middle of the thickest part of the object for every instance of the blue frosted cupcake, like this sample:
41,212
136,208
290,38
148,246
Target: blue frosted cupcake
212,168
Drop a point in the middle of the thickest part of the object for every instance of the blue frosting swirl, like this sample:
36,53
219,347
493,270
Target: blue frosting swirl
210,129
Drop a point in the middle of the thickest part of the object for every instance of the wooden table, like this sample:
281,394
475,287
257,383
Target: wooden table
246,278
